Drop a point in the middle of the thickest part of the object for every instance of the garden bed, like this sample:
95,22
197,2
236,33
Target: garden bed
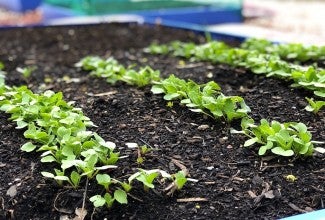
232,180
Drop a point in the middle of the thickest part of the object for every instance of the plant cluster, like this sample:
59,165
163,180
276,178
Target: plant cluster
290,51
310,78
208,99
59,131
285,139
205,98
112,71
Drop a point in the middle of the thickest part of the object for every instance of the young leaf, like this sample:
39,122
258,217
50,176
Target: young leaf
120,196
250,142
28,147
75,178
282,152
97,200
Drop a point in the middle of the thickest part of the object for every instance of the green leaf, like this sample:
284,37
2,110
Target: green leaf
103,179
28,147
171,96
21,124
97,200
282,152
157,89
304,148
48,159
75,178
48,175
250,142
120,196
65,164
180,179
62,131
320,94
264,148
62,178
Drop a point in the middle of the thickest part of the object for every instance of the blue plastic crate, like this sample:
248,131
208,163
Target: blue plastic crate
20,5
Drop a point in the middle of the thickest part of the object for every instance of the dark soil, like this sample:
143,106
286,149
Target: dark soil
229,175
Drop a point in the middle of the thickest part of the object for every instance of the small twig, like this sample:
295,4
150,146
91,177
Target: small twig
189,66
84,198
319,171
93,213
145,142
134,197
65,211
180,165
103,93
196,199
296,208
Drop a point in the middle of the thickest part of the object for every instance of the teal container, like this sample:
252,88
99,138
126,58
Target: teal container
100,7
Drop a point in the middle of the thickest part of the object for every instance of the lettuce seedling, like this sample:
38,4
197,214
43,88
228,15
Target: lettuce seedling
147,177
259,63
26,71
295,51
119,195
143,77
314,106
179,179
287,139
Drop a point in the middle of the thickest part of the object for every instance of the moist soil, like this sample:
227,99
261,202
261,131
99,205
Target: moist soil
234,181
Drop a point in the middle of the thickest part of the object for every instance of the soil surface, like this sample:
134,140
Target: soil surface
232,179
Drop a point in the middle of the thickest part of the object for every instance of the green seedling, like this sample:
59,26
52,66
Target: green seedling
287,139
147,177
258,62
295,51
180,179
119,195
314,106
59,131
26,71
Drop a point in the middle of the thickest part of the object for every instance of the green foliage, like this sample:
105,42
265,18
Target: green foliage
146,177
119,195
280,139
314,106
285,139
205,98
112,71
259,62
294,51
180,179
59,130
26,71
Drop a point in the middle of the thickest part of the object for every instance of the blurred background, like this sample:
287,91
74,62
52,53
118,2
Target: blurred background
277,20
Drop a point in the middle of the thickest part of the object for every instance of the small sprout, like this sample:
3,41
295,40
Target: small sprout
119,195
142,150
291,178
314,106
181,63
170,104
26,71
180,179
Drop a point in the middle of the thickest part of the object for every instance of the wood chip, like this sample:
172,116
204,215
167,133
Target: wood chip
203,127
251,194
296,208
2,165
12,191
196,199
103,94
210,182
